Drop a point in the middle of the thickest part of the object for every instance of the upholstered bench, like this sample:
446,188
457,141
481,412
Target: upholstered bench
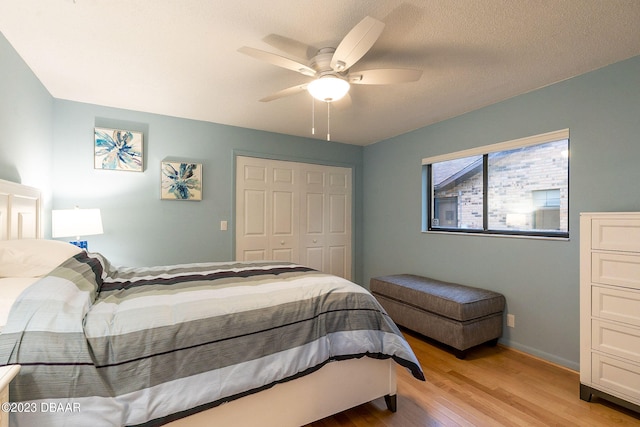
456,315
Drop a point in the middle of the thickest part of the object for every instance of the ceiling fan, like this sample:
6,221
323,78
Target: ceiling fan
331,67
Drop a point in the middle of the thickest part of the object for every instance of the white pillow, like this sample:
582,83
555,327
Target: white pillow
33,257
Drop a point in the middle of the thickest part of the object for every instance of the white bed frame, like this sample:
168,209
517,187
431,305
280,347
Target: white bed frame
334,388
20,211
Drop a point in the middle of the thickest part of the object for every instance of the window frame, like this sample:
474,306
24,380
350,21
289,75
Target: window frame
484,151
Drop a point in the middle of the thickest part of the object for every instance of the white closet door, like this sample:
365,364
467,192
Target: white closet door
294,212
325,224
266,210
283,212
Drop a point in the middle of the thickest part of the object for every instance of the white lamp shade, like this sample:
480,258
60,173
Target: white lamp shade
76,222
328,88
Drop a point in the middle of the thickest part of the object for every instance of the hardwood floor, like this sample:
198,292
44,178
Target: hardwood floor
493,386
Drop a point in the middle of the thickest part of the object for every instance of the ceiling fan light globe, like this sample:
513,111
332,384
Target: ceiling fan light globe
328,89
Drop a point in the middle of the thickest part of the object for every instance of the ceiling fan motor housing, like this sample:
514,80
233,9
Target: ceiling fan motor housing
322,61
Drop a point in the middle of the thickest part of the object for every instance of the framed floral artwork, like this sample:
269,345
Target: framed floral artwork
117,149
181,181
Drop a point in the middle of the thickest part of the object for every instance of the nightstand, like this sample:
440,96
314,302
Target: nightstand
7,373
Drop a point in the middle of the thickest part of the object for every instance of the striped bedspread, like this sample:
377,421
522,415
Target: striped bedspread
110,346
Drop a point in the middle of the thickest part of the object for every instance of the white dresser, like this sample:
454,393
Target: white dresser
610,307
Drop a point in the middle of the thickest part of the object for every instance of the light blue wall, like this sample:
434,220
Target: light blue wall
540,278
141,229
26,123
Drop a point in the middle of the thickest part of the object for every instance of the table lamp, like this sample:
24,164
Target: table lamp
76,222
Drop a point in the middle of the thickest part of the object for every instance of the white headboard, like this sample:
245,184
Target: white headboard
20,211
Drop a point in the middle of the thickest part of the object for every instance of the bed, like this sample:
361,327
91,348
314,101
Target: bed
266,343
20,208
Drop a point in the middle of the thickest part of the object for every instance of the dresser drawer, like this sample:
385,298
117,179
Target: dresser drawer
616,376
616,304
616,234
616,339
615,269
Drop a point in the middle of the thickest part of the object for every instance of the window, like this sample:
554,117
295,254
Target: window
516,188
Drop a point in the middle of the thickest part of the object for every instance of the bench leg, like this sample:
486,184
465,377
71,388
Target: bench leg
460,354
392,402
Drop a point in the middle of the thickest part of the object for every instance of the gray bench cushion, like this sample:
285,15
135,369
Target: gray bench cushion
449,300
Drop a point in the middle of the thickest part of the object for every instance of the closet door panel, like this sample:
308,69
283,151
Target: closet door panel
314,258
252,215
284,221
338,235
338,261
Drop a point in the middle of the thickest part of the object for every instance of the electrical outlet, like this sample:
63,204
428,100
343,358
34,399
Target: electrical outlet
511,320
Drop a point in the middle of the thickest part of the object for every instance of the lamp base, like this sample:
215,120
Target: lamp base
82,244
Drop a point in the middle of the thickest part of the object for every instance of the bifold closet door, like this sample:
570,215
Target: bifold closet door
294,212
267,206
325,219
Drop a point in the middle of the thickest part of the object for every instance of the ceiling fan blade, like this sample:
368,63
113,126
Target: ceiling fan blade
285,92
384,76
278,60
293,48
356,43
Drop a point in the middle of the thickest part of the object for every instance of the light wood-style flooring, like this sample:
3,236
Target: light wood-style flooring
493,386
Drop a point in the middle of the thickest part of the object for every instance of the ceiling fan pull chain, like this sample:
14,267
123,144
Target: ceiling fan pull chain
313,116
328,121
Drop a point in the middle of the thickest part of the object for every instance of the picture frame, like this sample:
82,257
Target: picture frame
181,181
118,149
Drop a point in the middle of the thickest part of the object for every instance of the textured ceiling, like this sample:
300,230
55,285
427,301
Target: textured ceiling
180,58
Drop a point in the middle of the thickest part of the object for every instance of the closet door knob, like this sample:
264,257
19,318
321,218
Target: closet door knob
282,242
